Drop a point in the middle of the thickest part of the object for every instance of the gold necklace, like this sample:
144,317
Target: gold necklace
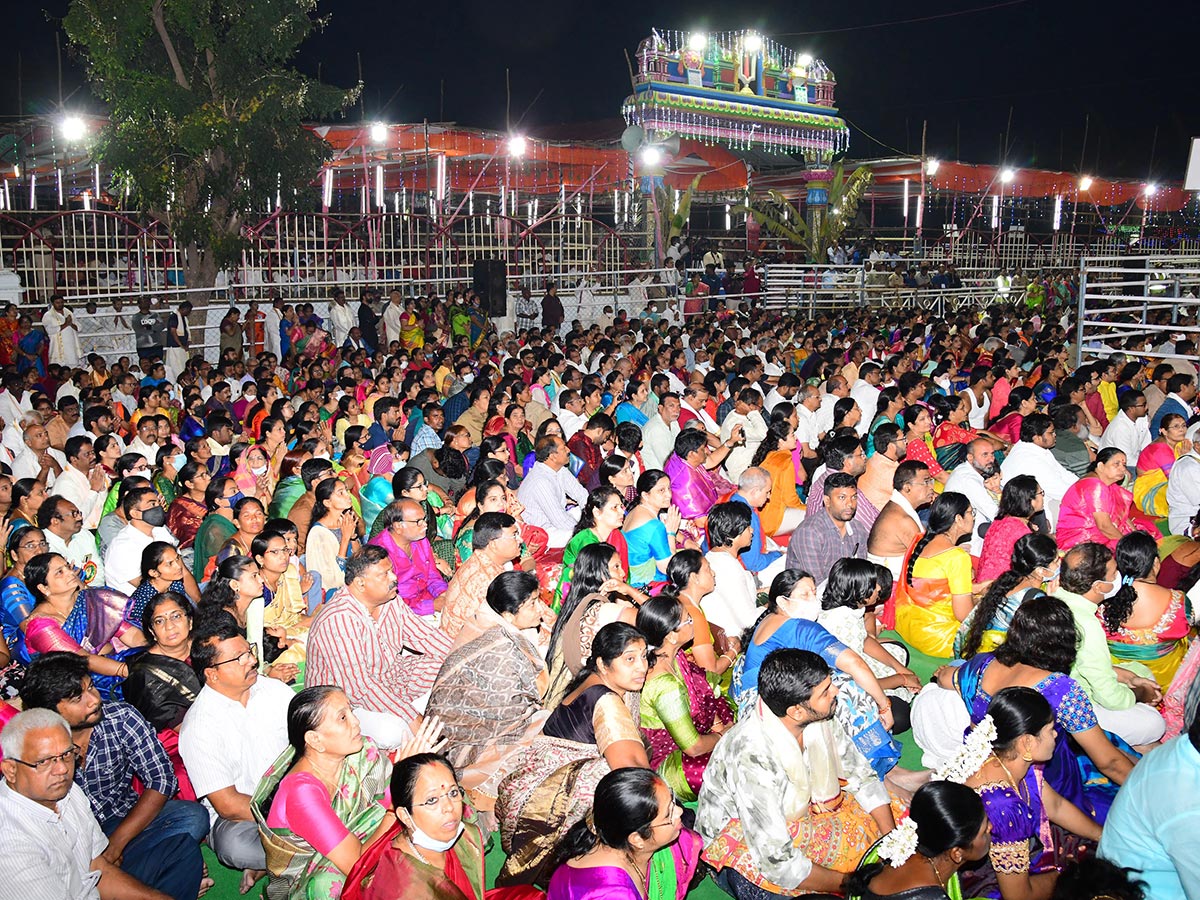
1011,781
936,874
641,884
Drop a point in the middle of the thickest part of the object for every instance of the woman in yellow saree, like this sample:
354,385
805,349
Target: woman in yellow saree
934,593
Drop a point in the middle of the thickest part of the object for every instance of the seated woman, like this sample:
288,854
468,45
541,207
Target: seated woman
600,520
217,526
236,590
1145,621
1006,425
999,761
286,617
377,491
864,710
1020,500
16,600
493,496
680,718
1034,573
781,817
618,471
587,735
1096,508
732,605
951,433
934,592
691,576
651,529
488,693
429,850
1155,462
784,510
333,534
601,596
633,845
947,829
323,800
918,428
162,570
695,488
854,587
187,510
1038,653
87,621
162,685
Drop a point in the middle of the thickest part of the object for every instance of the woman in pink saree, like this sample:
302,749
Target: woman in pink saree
694,489
88,622
1096,507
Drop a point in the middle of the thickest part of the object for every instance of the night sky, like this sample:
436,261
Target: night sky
1129,66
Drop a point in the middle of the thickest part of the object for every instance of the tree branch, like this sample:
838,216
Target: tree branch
160,25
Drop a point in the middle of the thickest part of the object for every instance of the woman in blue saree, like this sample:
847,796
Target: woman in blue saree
31,345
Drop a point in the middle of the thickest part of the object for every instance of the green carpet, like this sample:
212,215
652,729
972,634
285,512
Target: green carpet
227,880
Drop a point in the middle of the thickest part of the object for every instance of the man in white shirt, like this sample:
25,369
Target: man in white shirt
145,515
1183,489
61,522
835,389
37,459
390,320
731,604
62,334
1031,456
967,479
865,392
233,732
659,433
146,440
341,317
51,846
570,413
82,481
1129,431
549,488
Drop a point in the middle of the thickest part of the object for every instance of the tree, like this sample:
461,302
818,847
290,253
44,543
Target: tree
778,216
206,112
672,214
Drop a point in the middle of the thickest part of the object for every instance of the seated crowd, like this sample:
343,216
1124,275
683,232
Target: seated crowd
636,604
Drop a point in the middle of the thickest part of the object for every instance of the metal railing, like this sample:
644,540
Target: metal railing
1137,297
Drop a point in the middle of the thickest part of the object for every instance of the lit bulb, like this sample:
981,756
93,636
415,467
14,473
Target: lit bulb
73,128
697,42
753,43
805,59
1085,183
1007,175
379,133
931,167
1151,190
651,156
516,145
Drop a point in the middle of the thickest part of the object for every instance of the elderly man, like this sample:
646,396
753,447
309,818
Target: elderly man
898,524
116,745
62,523
835,389
762,558
806,430
786,752
419,581
496,542
828,533
82,481
378,651
1031,456
51,845
658,434
234,730
37,459
967,478
548,489
1123,698
1128,431
845,454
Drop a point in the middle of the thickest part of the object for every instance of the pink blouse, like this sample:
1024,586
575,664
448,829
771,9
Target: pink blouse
302,806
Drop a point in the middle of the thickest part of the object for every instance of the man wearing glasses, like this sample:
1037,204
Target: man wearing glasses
230,736
51,845
150,836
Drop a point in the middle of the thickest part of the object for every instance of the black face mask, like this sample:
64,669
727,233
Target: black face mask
155,516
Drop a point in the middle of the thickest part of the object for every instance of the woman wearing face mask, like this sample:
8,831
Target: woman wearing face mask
170,459
789,620
253,473
1038,652
1034,573
217,527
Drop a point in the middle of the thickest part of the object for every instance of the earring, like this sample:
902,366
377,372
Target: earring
1028,757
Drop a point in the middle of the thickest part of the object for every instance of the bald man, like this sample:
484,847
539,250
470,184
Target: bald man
967,478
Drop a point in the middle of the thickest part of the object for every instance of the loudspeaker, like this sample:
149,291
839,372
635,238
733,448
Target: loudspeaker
490,283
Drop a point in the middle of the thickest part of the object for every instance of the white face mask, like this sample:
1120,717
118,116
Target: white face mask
421,839
1112,592
804,609
258,470
321,455
397,465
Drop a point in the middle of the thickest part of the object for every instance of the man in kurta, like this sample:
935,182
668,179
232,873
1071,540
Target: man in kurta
62,333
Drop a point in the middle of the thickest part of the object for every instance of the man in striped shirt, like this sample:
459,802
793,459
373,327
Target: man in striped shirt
359,642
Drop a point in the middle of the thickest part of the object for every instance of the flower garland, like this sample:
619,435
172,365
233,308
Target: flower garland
971,756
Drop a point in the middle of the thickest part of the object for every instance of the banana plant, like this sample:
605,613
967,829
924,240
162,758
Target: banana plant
672,215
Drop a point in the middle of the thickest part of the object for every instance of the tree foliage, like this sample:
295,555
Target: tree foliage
206,111
780,218
673,214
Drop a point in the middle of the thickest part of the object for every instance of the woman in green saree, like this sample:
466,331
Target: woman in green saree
601,520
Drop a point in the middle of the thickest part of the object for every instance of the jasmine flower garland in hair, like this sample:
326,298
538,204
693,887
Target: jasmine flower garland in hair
900,843
971,756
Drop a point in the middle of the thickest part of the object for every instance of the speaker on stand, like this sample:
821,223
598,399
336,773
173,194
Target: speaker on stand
490,281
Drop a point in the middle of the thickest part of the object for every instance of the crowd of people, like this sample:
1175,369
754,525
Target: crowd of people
637,603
